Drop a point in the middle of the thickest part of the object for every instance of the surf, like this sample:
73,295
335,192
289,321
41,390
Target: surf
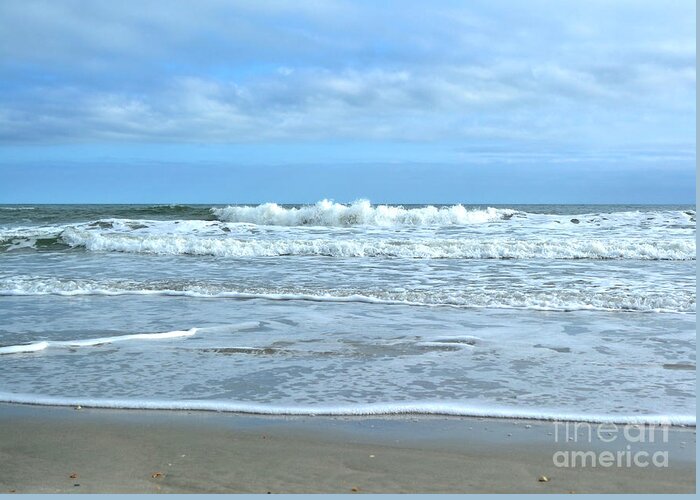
99,341
403,408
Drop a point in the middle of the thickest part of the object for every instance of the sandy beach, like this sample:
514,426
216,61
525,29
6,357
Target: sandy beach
66,450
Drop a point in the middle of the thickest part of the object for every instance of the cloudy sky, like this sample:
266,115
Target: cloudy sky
473,102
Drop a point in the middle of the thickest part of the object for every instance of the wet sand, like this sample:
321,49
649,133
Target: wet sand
41,448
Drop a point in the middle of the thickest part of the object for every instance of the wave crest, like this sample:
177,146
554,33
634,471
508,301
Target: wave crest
358,213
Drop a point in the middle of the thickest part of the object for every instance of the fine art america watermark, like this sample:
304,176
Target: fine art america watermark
615,445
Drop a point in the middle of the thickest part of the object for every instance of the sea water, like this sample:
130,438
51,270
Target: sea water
576,312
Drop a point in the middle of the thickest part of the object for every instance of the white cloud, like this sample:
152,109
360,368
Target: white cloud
259,71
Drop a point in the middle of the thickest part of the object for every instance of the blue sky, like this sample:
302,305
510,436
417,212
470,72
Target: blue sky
224,102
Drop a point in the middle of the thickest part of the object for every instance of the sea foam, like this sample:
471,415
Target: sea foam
368,409
426,248
92,342
680,300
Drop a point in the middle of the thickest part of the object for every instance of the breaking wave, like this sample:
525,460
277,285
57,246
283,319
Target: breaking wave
453,248
326,213
359,213
424,248
362,230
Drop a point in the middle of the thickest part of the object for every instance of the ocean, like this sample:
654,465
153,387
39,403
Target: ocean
524,311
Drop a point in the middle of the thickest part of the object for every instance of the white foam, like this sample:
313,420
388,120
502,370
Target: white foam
42,345
397,408
15,349
451,345
456,342
676,301
433,248
362,213
124,338
359,213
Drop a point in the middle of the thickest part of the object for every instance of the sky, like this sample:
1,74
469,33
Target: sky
520,101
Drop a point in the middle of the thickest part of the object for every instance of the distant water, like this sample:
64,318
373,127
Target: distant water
584,312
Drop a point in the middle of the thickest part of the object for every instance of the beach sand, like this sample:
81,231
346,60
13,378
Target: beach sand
65,450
